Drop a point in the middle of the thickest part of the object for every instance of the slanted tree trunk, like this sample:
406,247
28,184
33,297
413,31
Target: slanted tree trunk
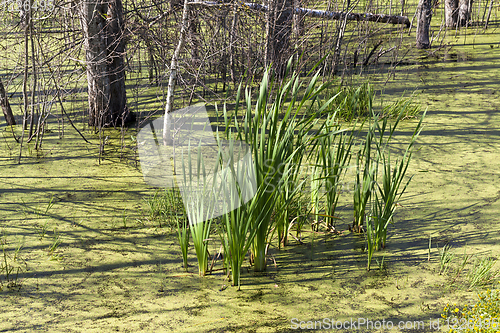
423,24
489,14
324,14
103,28
4,103
168,119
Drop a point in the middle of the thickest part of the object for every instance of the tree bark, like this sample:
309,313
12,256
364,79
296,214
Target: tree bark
284,22
464,12
424,22
116,63
4,103
232,39
457,12
168,119
103,28
451,12
298,20
279,29
489,14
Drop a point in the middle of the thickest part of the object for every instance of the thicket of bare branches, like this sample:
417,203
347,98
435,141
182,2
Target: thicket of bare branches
44,68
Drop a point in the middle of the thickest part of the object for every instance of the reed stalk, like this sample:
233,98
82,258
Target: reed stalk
277,132
334,154
365,183
198,193
388,183
391,177
240,228
173,198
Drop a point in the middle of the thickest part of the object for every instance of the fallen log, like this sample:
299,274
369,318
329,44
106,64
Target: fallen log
325,14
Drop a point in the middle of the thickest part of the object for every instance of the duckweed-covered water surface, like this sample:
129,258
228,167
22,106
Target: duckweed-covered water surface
84,248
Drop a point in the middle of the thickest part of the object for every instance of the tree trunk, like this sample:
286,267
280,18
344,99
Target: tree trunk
4,103
457,12
232,38
424,22
451,12
116,63
464,12
298,20
193,34
279,20
168,119
298,28
269,10
283,31
489,14
103,28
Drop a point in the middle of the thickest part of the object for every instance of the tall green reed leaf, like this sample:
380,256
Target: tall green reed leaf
316,186
384,200
334,154
371,243
173,198
391,177
273,130
199,199
239,226
365,183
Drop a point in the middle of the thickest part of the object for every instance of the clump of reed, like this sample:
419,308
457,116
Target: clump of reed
264,154
11,265
277,127
332,158
379,183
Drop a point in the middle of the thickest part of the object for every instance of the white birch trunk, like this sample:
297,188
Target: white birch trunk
168,120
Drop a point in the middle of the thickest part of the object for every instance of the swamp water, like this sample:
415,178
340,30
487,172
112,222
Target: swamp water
91,261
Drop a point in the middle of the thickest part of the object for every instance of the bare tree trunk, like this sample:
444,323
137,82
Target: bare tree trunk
279,30
103,27
451,12
298,29
424,22
298,19
116,63
193,35
457,12
340,36
4,103
34,86
153,69
464,12
270,19
489,14
168,119
25,82
94,27
232,39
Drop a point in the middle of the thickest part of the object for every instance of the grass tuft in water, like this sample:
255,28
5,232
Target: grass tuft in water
482,273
